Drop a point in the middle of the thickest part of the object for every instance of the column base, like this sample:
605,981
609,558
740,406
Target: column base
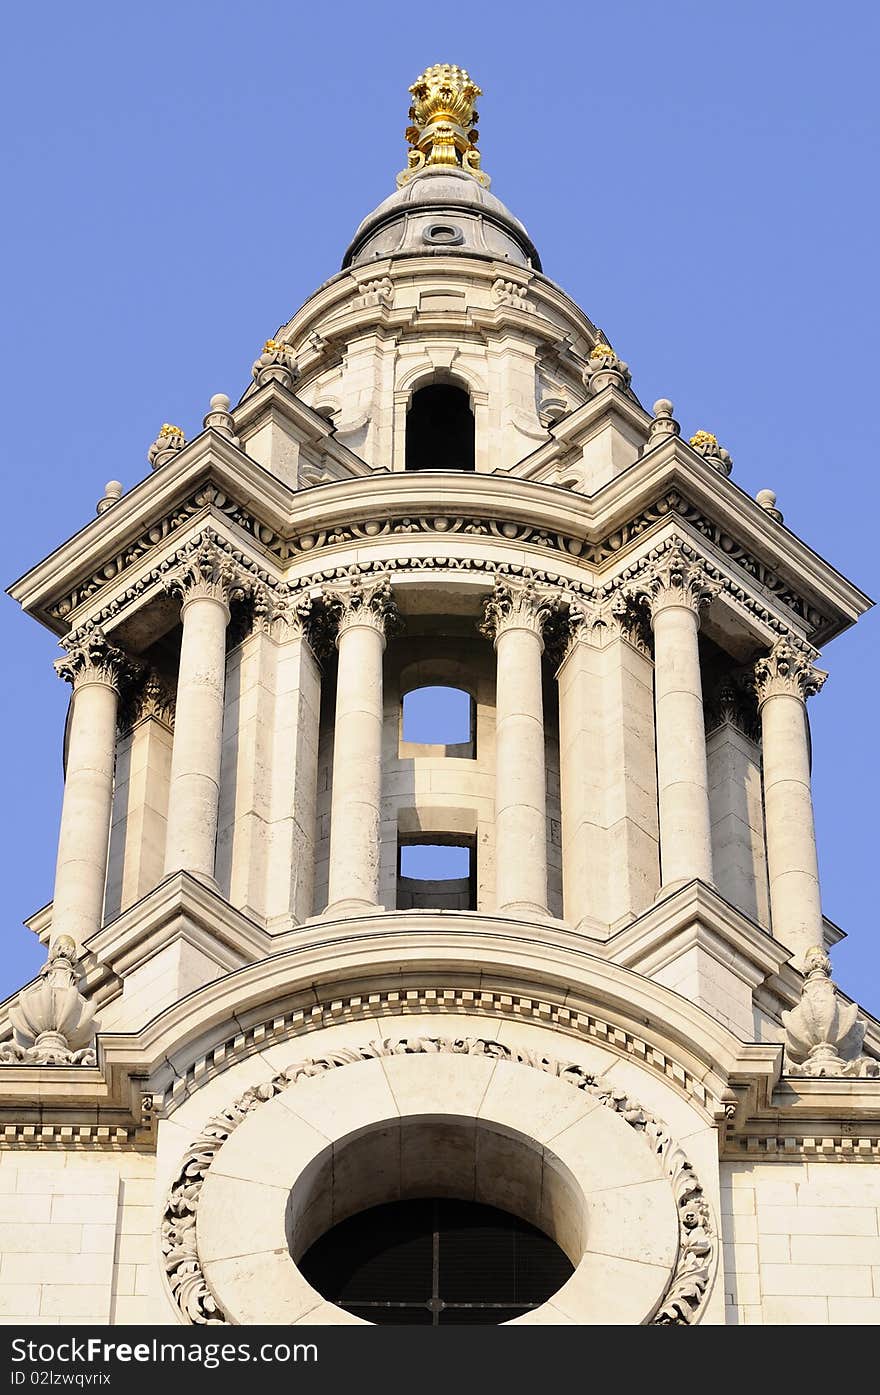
524,910
350,905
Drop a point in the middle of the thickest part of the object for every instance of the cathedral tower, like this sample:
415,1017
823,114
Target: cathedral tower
602,1074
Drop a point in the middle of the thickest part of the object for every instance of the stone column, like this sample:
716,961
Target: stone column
95,670
608,770
365,613
676,589
784,680
515,616
207,582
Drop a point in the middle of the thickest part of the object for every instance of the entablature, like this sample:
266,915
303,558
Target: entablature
293,533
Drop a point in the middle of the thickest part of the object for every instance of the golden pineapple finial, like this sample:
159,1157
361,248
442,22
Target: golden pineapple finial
443,129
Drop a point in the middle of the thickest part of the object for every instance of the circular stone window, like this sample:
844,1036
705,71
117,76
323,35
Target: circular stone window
436,1262
537,1194
443,235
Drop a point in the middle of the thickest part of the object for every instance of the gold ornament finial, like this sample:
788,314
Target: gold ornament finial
443,129
704,438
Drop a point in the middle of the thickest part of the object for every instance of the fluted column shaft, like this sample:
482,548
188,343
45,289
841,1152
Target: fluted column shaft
678,587
364,615
95,669
206,584
784,680
515,617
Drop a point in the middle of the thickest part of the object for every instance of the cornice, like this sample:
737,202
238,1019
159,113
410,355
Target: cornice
596,531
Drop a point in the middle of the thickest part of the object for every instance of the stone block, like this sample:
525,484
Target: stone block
742,1288
816,1220
792,1311
810,1280
854,1311
19,1300
73,1181
32,1237
94,1210
834,1250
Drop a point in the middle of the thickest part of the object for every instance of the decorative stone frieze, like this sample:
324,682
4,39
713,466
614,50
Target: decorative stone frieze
788,670
53,1023
663,425
283,547
677,577
706,445
363,601
518,603
604,369
824,1035
207,572
93,659
682,1299
511,293
276,364
169,442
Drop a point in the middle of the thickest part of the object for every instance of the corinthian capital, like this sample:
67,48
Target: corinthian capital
363,601
207,573
303,615
599,622
676,577
787,671
518,604
94,660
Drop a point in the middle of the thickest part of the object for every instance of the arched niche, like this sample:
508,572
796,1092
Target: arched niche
440,432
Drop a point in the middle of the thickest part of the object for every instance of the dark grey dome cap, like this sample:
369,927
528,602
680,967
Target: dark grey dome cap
442,210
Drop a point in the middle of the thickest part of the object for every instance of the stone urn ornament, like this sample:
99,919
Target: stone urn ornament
824,1035
166,446
53,1023
276,364
604,369
705,443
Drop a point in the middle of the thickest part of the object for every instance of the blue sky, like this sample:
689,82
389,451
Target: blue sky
701,178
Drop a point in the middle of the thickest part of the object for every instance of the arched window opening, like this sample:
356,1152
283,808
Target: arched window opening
437,873
440,717
440,429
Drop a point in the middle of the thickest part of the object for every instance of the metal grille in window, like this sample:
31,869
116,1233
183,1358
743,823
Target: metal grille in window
436,1262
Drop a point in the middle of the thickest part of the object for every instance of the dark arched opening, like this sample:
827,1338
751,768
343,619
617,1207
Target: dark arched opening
436,1262
440,429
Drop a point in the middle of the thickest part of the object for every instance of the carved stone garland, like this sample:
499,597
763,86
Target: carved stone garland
689,1281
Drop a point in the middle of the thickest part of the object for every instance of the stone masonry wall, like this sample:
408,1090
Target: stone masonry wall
801,1242
78,1239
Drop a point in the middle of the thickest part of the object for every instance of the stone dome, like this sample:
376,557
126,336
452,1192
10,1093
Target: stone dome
442,210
